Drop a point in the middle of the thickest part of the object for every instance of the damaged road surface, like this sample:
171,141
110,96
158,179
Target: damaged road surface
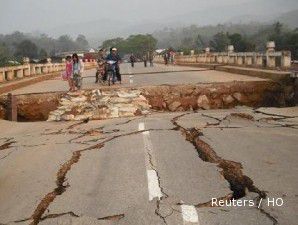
161,168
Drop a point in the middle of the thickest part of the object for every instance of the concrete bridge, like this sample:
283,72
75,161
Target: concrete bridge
271,59
172,145
12,73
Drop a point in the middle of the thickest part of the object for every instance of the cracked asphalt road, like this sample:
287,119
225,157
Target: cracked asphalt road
164,168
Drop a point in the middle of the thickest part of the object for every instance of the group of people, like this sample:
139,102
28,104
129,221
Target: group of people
148,57
73,72
169,57
75,66
101,73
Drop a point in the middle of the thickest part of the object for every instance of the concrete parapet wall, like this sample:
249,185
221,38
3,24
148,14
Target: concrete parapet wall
11,73
269,59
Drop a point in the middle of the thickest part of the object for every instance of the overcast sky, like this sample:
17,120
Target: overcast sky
44,15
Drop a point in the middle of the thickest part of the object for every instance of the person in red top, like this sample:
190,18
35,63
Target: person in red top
69,74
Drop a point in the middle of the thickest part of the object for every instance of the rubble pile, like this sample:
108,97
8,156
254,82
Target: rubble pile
99,105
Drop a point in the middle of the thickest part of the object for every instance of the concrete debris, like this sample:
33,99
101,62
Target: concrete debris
228,99
203,102
99,105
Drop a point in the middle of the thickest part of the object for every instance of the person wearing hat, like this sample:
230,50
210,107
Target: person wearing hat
115,57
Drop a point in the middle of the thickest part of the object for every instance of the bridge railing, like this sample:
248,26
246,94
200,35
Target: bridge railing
270,59
11,73
250,59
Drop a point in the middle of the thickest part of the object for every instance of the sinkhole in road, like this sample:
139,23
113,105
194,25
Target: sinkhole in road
125,102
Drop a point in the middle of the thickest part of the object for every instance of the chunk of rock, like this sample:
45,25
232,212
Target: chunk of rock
131,94
105,100
228,99
114,112
120,100
203,102
53,117
127,111
237,96
81,117
79,99
174,106
68,117
65,102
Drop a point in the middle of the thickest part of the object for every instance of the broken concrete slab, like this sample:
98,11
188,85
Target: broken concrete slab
183,174
23,183
88,182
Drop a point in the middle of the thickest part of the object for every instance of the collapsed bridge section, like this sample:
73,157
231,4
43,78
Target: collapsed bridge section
108,103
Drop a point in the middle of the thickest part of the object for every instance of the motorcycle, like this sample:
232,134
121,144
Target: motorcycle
111,71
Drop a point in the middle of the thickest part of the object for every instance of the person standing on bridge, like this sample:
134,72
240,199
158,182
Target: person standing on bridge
77,69
165,57
151,57
172,57
69,74
132,59
145,59
100,72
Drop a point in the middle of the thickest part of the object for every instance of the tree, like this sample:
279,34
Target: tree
220,42
188,43
137,44
111,42
4,54
140,44
53,52
200,43
82,42
65,44
26,48
43,53
240,43
290,43
277,35
278,28
45,42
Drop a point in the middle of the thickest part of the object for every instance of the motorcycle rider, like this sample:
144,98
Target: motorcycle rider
114,56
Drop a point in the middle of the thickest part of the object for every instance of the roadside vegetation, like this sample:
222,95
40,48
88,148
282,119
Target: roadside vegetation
15,46
136,44
244,37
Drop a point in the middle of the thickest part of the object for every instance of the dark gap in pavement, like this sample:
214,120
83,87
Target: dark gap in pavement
231,171
6,145
113,218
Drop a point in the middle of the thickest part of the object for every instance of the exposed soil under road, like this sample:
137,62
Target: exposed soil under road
36,107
